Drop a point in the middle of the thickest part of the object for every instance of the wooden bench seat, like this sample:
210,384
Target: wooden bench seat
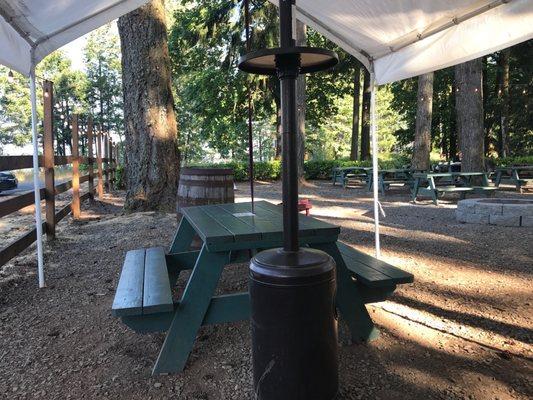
144,286
371,272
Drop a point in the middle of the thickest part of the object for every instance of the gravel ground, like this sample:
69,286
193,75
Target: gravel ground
463,330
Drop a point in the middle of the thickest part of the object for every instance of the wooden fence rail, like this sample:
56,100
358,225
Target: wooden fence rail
48,194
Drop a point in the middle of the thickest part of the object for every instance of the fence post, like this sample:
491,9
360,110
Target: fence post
99,162
48,159
75,169
90,157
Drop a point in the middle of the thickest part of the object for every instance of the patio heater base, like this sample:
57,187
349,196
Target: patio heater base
294,325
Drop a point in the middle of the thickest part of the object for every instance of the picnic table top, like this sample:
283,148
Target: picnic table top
516,167
352,168
224,224
426,175
395,170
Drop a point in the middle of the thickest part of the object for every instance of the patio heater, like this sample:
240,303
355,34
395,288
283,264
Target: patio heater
292,289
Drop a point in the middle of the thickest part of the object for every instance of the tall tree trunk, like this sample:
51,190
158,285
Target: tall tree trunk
424,112
152,164
354,150
365,117
504,92
301,40
469,108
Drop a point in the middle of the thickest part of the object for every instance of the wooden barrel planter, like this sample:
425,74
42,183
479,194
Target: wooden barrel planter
201,186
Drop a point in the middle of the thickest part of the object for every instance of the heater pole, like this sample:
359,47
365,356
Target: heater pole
288,69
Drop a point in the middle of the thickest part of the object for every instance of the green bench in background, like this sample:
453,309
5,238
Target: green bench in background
520,176
435,185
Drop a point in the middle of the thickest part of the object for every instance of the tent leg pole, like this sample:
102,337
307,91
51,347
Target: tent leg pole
36,181
375,166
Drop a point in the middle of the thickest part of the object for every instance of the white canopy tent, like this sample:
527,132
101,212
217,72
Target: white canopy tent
394,39
399,39
32,29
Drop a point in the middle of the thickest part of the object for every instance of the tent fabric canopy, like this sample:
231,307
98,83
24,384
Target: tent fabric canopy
400,39
35,28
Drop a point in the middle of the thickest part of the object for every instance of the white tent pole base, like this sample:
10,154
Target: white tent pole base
375,166
36,181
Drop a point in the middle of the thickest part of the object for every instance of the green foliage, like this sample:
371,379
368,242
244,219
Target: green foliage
513,161
103,90
315,169
120,179
263,171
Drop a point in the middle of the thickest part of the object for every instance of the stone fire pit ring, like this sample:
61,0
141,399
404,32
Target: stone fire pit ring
504,212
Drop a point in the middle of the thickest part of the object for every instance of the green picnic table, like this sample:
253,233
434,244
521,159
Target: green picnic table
387,177
343,174
144,299
520,176
436,184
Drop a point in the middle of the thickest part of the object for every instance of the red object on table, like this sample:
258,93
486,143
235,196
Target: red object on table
304,205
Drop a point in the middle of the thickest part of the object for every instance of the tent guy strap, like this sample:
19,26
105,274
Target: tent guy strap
406,38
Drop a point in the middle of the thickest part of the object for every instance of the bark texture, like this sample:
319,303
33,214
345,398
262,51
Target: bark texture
301,40
504,93
424,112
354,149
152,162
365,117
469,108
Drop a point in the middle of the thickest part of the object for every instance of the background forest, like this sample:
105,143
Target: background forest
205,41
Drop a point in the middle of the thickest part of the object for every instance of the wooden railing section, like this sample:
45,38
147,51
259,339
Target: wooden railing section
106,173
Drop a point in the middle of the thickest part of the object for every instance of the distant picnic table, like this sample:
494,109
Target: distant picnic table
231,232
344,175
388,177
520,176
437,184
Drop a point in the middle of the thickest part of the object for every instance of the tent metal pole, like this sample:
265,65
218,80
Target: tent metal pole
36,181
375,166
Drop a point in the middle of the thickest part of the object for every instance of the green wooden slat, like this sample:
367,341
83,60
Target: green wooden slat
307,224
275,214
129,295
269,229
396,275
207,228
157,296
239,229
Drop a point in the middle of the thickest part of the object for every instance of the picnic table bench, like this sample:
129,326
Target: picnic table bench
521,176
144,298
435,185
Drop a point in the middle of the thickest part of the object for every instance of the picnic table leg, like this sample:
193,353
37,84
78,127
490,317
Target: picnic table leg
434,193
349,300
498,178
334,177
183,237
190,312
516,177
414,192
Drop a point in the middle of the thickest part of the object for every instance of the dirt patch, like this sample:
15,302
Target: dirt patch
463,330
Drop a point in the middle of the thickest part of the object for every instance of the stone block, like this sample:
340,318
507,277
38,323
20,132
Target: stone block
518,209
527,221
467,206
471,218
505,220
488,208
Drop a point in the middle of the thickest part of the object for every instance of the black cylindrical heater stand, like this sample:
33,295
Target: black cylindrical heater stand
294,330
